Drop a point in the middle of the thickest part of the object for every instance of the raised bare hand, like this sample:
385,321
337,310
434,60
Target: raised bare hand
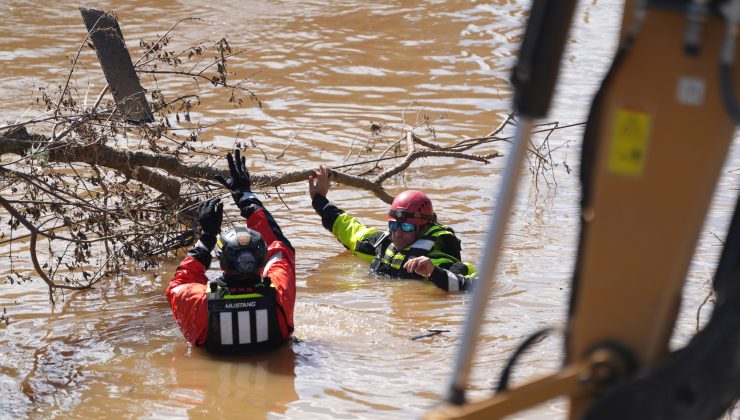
319,182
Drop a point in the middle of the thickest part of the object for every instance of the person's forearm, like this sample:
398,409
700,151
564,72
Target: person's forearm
450,281
262,221
201,251
328,211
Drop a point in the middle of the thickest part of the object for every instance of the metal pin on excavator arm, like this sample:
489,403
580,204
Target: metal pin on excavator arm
658,133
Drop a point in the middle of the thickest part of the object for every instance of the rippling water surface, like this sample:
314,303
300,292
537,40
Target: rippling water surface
323,71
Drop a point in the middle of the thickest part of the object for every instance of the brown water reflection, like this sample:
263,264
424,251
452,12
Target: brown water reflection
324,71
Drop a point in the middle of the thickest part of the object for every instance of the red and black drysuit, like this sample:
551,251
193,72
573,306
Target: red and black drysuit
187,292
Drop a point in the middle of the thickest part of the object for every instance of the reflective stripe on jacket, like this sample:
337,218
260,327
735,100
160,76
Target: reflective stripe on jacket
438,242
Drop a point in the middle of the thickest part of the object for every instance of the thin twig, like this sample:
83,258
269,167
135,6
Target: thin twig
163,37
704,302
292,139
74,63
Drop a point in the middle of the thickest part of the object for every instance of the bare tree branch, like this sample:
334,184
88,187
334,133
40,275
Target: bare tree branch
98,178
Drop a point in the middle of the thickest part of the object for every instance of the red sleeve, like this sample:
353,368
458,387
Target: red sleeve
281,271
258,221
186,294
280,268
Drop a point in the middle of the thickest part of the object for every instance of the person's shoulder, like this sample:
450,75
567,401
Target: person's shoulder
369,244
447,242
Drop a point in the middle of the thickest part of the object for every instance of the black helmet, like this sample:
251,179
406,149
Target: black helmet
241,251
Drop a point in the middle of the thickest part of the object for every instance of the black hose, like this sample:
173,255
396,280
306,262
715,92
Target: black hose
727,92
503,383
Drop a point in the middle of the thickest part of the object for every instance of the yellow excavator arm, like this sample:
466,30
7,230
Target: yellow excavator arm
658,133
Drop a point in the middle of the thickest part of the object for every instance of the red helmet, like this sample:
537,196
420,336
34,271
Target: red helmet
413,207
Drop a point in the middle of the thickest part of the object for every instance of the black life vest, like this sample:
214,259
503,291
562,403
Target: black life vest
242,320
445,240
389,260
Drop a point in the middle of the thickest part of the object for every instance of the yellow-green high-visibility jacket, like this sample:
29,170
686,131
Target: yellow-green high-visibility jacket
438,243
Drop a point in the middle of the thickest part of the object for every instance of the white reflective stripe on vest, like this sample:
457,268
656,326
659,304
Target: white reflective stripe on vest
244,327
245,333
261,322
453,284
275,257
425,244
227,336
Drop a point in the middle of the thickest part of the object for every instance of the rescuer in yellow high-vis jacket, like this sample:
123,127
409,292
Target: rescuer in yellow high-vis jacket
414,247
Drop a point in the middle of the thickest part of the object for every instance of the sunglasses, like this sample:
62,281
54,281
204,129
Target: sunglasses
405,226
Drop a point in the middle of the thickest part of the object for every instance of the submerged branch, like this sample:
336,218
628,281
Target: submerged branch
34,258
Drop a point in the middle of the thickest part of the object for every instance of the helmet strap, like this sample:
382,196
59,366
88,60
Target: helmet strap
420,229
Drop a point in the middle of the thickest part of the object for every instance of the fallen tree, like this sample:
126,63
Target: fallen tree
96,192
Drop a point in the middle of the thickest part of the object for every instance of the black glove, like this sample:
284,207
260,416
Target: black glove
240,182
210,215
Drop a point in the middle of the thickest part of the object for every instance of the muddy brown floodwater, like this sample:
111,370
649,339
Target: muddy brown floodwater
324,71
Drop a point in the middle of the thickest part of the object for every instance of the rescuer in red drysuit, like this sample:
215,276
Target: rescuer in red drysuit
249,307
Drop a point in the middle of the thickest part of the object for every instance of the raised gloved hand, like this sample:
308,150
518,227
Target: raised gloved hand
210,216
240,181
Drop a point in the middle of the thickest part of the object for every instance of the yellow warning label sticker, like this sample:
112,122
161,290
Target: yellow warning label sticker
628,149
